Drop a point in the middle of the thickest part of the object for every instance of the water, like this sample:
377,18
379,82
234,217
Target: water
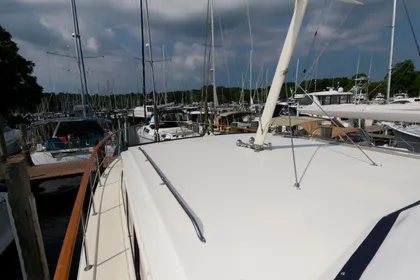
54,213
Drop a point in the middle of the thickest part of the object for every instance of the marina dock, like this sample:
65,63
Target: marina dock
57,170
53,170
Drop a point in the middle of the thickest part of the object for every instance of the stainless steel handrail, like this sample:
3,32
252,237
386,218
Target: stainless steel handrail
194,219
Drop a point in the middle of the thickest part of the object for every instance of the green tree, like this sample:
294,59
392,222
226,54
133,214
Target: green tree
403,78
19,87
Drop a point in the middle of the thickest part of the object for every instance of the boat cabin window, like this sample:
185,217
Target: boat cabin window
197,117
416,99
346,99
165,125
335,99
306,101
400,102
81,129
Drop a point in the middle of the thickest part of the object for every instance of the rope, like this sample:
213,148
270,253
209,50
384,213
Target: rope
342,131
297,185
411,27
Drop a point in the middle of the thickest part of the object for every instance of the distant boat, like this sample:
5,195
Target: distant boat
66,139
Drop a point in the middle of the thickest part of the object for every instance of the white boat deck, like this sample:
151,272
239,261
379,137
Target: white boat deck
257,225
107,235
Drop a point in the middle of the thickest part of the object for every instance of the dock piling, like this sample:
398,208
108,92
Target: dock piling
25,145
3,152
24,218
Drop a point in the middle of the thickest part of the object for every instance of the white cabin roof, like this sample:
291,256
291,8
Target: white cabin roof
257,225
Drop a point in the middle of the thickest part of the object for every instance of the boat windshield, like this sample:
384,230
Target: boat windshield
165,125
82,129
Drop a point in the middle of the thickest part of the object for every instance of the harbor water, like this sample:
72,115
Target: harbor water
54,210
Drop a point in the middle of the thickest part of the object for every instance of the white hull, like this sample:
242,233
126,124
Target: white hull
39,158
390,112
285,226
6,233
147,135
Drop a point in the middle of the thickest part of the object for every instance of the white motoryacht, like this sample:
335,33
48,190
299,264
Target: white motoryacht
139,112
172,125
255,208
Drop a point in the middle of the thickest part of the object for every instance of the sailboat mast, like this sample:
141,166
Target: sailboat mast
143,61
281,71
164,74
149,44
251,57
391,52
79,54
215,101
297,75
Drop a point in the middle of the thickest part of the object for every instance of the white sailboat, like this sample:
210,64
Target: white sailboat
338,212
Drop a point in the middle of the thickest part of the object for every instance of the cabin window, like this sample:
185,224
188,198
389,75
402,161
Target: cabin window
335,99
343,99
401,102
306,101
135,252
416,99
82,129
326,100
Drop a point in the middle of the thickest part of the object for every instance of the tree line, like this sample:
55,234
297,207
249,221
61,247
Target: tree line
23,94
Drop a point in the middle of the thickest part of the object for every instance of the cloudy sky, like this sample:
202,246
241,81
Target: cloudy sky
111,28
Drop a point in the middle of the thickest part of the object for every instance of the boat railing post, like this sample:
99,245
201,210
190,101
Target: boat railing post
98,169
91,183
85,248
119,143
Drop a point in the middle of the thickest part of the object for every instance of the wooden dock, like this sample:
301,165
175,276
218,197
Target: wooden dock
53,170
57,170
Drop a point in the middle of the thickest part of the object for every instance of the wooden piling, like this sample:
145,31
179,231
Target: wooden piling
24,219
3,152
26,147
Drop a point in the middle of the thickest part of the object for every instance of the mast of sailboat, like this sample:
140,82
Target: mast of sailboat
251,57
391,52
164,75
79,54
281,70
213,70
149,44
296,75
143,72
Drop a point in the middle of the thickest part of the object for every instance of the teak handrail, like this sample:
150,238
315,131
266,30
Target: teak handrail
66,254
